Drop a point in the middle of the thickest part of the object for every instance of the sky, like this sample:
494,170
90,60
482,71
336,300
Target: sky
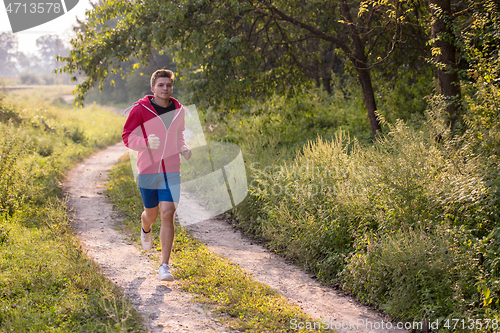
60,26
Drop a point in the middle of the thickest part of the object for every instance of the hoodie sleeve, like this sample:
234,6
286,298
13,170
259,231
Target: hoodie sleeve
180,132
133,135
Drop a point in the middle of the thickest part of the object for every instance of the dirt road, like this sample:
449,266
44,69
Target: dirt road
165,307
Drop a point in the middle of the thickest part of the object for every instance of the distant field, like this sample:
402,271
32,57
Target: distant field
42,92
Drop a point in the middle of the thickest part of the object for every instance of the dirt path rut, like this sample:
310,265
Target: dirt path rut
166,307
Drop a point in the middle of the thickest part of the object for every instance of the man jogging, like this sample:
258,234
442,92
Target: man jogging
155,128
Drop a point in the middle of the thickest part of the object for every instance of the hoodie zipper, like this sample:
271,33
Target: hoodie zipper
166,129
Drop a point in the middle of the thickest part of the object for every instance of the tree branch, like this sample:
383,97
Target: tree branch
320,34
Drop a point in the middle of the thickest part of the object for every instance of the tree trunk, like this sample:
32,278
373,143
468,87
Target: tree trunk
366,85
326,71
448,80
359,60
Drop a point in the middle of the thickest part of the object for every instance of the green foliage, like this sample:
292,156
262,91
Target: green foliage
234,53
132,84
476,33
401,94
305,215
8,114
401,224
47,284
294,121
77,135
482,140
4,234
409,273
13,188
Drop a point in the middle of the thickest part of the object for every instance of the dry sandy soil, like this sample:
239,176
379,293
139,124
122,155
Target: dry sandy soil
167,308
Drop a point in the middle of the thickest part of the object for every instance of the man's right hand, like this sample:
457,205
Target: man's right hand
153,141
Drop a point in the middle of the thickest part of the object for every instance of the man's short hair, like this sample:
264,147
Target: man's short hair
162,73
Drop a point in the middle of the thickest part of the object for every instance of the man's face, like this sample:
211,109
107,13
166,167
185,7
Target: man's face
163,88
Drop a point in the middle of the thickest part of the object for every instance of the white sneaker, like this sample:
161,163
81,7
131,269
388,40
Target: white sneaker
164,273
146,239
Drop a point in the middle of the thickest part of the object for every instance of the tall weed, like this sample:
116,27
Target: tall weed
415,272
13,189
304,204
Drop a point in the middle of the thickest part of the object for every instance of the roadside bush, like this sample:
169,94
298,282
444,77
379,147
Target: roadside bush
4,235
306,204
77,135
334,191
482,140
415,272
8,114
401,223
411,223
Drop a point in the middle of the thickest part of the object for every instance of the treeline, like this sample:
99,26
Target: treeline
36,66
237,52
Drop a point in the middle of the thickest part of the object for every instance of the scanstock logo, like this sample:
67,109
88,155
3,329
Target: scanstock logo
26,14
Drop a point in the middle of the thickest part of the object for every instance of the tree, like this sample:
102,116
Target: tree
446,20
480,32
49,46
130,87
445,57
8,51
238,51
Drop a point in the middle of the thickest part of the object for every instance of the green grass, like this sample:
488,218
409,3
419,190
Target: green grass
47,284
247,305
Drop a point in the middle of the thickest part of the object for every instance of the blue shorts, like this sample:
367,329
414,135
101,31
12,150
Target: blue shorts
156,187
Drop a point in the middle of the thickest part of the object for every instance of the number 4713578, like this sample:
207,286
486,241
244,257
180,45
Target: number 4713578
471,324
20,8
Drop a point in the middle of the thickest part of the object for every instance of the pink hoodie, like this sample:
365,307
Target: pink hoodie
142,121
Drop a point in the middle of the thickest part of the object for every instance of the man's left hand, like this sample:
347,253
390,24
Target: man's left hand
186,152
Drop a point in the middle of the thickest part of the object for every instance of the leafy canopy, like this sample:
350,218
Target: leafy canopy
236,51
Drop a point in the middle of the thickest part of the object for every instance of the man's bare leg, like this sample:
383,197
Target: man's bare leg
167,211
148,216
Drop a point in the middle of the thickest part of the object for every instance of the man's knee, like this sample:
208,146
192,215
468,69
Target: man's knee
151,214
168,211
